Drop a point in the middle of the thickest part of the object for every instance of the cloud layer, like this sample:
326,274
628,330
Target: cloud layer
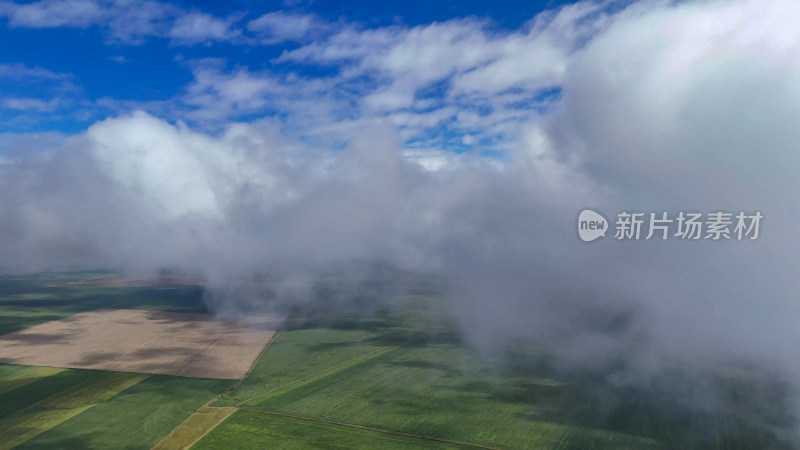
654,107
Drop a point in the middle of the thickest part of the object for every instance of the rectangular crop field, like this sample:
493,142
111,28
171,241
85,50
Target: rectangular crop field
136,418
183,344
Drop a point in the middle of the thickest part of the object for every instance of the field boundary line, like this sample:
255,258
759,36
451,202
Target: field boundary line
260,355
16,382
299,380
228,410
104,381
368,428
57,409
178,373
252,366
217,397
43,401
100,367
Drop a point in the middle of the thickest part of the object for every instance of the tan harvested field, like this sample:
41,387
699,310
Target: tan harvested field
189,345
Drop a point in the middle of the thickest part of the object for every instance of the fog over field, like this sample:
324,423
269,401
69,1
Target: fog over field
648,106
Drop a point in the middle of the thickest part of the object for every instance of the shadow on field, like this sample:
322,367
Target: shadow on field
13,339
723,408
731,407
31,301
430,365
12,323
97,358
62,443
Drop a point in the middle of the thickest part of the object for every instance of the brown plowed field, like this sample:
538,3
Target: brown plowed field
190,345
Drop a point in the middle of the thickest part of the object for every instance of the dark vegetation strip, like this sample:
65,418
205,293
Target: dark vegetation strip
12,402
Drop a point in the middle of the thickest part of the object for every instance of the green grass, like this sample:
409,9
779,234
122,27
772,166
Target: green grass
416,385
19,376
251,430
295,354
442,391
138,417
10,371
41,416
12,402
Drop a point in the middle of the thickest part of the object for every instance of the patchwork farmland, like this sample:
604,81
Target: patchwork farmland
88,365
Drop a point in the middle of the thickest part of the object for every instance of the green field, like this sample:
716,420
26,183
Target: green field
443,391
398,378
33,420
138,417
95,409
28,395
298,353
388,375
252,430
434,391
14,377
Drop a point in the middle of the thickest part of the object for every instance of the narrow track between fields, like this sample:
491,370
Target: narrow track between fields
364,356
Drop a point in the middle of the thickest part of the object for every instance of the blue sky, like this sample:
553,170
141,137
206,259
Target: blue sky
319,67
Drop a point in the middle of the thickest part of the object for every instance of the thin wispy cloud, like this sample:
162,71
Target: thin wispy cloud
21,72
197,27
280,26
31,104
